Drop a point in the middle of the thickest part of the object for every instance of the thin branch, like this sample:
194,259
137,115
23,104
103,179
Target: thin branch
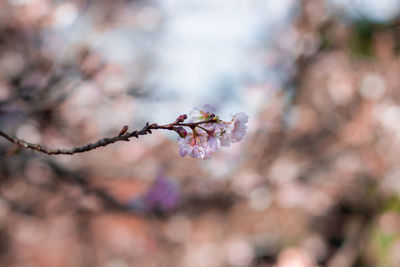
102,142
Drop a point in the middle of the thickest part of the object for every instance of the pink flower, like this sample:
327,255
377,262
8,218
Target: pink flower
225,137
206,138
213,142
203,114
191,146
239,129
234,130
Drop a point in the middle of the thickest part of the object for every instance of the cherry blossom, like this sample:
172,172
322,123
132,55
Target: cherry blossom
200,135
239,129
191,146
206,138
197,115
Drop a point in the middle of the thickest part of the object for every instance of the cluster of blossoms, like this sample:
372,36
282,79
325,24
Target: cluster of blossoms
208,132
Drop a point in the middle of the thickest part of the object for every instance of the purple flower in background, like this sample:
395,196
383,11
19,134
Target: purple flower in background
163,195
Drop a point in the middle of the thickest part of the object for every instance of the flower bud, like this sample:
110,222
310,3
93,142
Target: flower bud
181,118
123,130
181,131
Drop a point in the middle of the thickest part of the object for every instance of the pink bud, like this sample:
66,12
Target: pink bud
181,131
123,130
181,118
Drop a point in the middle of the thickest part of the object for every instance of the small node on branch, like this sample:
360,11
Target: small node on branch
135,134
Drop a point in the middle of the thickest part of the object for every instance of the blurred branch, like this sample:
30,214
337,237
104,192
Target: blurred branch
18,208
79,178
122,136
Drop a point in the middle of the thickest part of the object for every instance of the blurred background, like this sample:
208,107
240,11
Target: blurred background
315,182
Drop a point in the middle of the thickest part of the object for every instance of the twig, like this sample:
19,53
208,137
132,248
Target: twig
102,142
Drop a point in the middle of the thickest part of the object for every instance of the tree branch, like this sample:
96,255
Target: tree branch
102,142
